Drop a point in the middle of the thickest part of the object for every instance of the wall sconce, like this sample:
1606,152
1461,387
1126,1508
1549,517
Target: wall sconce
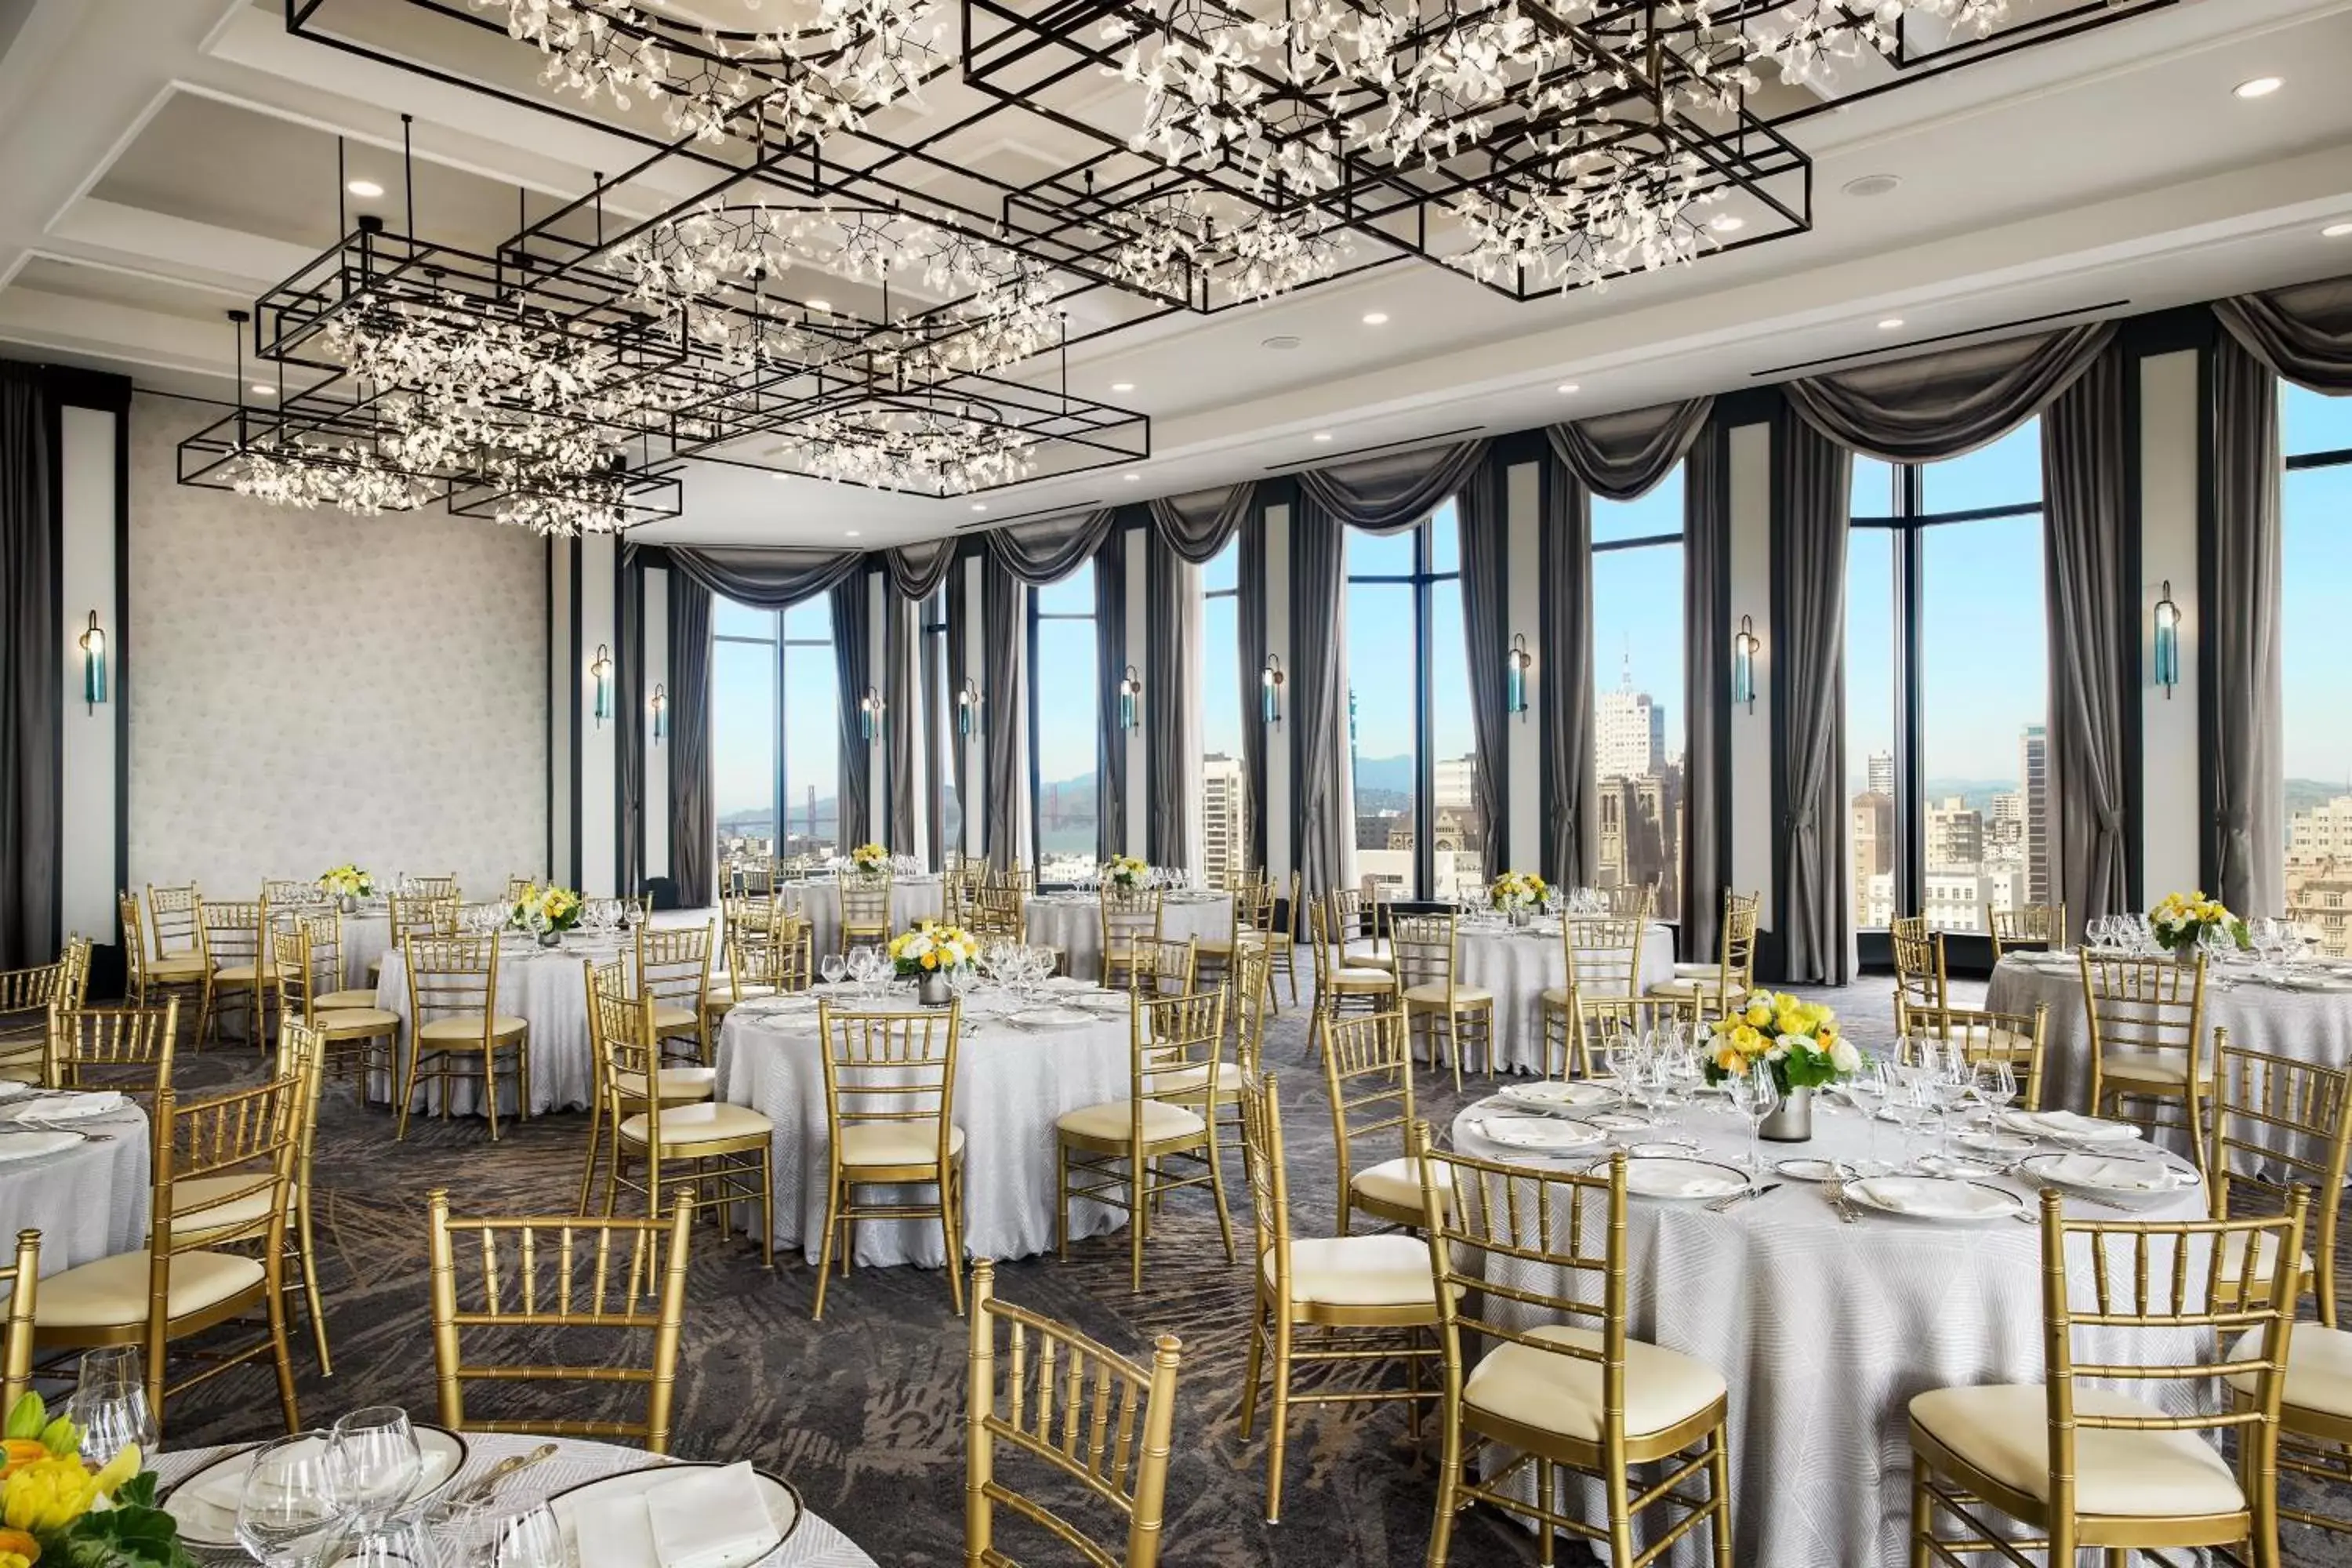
1516,665
660,705
869,714
1130,699
1743,664
971,717
1269,703
601,669
2168,642
93,664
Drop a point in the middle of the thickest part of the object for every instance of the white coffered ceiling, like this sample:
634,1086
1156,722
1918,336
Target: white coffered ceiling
169,159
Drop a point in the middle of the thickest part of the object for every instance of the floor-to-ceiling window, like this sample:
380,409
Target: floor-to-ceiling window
1064,721
1641,723
1411,756
1947,771
1224,793
946,811
775,737
2316,584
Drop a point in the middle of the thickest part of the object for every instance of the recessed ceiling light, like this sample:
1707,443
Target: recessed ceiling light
261,391
1872,184
1376,318
1122,386
1322,435
1726,223
1131,477
2260,86
848,533
1279,342
1569,386
1889,324
2335,231
820,304
980,506
366,190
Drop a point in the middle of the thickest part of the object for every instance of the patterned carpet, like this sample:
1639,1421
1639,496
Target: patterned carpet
862,1413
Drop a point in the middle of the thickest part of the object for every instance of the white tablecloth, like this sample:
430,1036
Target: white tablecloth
88,1201
912,898
1519,966
1073,923
366,937
1011,1085
1825,1331
815,1544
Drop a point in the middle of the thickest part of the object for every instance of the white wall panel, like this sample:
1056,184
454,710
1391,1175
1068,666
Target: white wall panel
2169,739
1138,645
1522,837
1750,804
600,820
561,670
1278,861
655,794
88,873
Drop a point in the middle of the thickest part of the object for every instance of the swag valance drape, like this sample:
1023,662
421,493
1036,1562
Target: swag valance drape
2303,334
765,578
1940,405
1048,549
1196,526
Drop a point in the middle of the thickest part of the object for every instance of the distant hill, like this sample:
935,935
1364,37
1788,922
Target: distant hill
1392,775
2301,795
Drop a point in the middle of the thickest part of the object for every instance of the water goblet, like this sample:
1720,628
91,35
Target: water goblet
1996,1085
373,1462
286,1514
1756,1095
833,968
532,1540
110,1403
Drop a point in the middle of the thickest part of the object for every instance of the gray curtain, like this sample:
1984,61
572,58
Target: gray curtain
693,828
1196,526
1939,406
901,644
2094,639
1389,492
1051,547
766,578
629,734
1005,609
1623,456
1250,604
917,570
1813,478
31,634
1171,690
2304,333
1486,632
2241,685
1110,662
1321,834
960,612
852,661
1706,667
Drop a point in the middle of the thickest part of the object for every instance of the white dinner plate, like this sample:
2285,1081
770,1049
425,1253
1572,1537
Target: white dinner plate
33,1146
1941,1200
783,1504
1680,1177
204,1502
2126,1176
1543,1132
64,1107
1988,1143
1555,1096
2068,1125
1811,1170
1050,1018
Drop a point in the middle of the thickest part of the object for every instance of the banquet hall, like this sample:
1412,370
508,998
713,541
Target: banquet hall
852,783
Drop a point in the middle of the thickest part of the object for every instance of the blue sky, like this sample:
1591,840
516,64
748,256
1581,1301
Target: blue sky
2317,587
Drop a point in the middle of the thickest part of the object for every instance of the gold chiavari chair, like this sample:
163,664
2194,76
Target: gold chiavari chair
674,972
415,916
1246,1011
1087,1414
2147,1038
518,1280
185,1281
1368,1079
1359,929
2084,1464
24,1281
1131,1153
676,1085
1162,967
236,945
456,1032
326,961
1020,874
992,913
290,893
179,936
865,912
1733,973
1371,1296
1633,902
1578,1395
720,1152
1920,986
1220,953
433,887
1262,923
1130,923
364,1039
754,874
1602,958
27,998
2028,925
889,1112
1597,1020
752,960
1428,952
2018,1039
1338,985
144,971
126,1049
518,890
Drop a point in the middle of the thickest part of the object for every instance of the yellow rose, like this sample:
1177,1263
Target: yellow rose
1728,1058
47,1495
1747,1040
1758,1012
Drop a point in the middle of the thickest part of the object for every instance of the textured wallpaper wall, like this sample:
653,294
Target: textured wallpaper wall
308,686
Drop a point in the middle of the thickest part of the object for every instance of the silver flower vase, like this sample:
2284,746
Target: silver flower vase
1792,1120
932,990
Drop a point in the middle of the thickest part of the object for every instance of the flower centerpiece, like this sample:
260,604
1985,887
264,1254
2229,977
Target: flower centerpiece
547,912
347,885
930,954
869,859
2183,923
53,1509
1518,894
1801,1043
1128,873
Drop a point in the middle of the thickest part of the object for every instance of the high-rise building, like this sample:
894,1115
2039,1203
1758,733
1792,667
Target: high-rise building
1882,774
1873,846
1456,787
2033,772
1630,735
1641,834
1224,819
1955,835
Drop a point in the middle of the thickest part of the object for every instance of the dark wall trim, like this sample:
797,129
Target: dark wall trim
2208,784
572,690
547,719
111,972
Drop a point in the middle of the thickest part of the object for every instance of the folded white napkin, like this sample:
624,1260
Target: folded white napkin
1535,1132
10,1088
2070,1124
2099,1171
64,1107
1673,1180
1925,1196
710,1518
622,1528
1557,1093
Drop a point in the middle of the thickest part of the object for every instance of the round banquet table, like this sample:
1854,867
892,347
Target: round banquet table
2308,1018
1824,1330
912,898
814,1544
546,987
366,937
90,1201
1073,923
1519,965
1011,1085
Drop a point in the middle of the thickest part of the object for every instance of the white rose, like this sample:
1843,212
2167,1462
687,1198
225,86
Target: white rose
1844,1057
1783,1044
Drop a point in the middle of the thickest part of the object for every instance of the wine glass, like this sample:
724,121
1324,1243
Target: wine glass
1868,1089
1626,1058
1756,1095
833,968
110,1403
532,1540
286,1514
401,1541
373,1462
1996,1084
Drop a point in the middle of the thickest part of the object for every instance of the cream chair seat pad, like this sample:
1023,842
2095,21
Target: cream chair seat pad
680,1084
462,1028
705,1123
333,1000
178,966
1433,994
2168,1068
1359,1271
1113,1118
896,1143
2003,1429
358,1023
671,1018
1561,1393
2318,1369
190,1196
1393,1182
112,1291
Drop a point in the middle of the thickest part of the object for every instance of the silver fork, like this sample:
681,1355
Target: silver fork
1834,1190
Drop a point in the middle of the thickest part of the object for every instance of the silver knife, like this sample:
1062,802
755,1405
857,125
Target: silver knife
1736,1199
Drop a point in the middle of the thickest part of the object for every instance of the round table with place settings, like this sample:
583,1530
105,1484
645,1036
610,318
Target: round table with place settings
78,1170
1822,1329
546,987
912,898
1073,923
1519,964
1014,1079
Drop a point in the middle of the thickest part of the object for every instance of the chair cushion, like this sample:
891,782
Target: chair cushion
354,998
1560,1393
1685,986
2003,1429
723,996
1113,1120
178,966
1557,997
1697,971
2168,1068
678,1085
458,1028
1359,1271
691,1124
2318,1369
358,1023
1363,979
112,1291
896,1143
1433,994
243,974
189,1198
1393,1182
669,1018
1368,955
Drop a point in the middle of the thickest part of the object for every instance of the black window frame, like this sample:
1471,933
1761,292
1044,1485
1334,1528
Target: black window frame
1086,569
1679,539
780,646
2292,463
1422,580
